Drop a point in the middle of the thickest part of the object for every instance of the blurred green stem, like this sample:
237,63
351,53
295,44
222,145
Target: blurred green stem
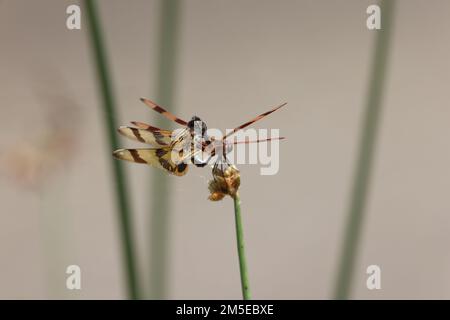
352,232
159,236
241,248
109,114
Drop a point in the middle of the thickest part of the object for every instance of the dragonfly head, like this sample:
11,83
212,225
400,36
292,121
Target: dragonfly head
197,125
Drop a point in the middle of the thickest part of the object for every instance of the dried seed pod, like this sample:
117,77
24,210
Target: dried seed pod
225,182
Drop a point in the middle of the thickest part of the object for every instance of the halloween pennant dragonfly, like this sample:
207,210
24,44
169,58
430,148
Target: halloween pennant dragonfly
187,143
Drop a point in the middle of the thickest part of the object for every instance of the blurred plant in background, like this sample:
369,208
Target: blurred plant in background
106,93
159,234
366,152
159,229
34,162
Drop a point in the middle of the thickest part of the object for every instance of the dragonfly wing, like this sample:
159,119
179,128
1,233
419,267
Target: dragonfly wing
159,158
244,125
163,111
155,138
145,126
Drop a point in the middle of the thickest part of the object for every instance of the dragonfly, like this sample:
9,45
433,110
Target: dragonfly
192,142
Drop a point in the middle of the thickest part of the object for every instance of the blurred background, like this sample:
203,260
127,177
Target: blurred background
234,60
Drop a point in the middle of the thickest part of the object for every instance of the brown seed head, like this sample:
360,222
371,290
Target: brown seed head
225,182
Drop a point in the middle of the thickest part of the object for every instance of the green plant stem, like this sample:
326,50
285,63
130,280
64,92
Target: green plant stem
109,114
160,208
241,248
358,199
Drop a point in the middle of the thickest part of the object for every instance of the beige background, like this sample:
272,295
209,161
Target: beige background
237,58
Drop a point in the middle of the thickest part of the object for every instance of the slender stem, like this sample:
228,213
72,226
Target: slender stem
352,234
160,208
241,248
109,114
